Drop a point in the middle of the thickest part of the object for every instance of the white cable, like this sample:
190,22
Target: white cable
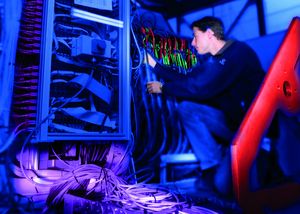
137,45
44,120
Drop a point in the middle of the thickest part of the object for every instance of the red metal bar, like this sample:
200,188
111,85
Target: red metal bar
279,91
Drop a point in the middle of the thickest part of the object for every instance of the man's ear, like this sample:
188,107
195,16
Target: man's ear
210,33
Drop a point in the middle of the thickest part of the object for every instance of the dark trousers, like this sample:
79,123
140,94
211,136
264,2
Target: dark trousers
201,123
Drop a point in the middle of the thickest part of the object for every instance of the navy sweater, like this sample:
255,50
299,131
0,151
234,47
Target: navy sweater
228,81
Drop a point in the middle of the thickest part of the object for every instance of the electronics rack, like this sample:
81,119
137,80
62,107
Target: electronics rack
84,71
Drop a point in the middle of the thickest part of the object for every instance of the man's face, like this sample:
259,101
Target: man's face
200,41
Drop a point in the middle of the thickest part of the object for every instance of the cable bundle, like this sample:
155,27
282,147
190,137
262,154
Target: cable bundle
157,129
171,50
100,180
101,185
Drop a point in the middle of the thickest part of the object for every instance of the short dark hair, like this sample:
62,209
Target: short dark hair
213,23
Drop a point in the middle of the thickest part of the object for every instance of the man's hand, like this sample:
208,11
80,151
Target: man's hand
154,87
148,59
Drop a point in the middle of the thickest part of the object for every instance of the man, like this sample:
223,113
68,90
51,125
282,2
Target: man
215,95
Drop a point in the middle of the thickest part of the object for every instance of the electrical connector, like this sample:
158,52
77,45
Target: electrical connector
86,45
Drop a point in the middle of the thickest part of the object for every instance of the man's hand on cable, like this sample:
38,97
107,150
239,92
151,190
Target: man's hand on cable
148,59
154,87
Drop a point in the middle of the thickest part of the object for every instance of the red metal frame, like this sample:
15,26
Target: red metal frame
279,91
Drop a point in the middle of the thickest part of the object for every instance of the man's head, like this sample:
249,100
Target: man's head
208,33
